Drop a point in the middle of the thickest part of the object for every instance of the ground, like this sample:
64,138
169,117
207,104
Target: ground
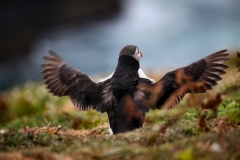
36,125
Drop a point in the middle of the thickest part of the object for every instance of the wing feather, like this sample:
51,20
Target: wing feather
207,70
63,80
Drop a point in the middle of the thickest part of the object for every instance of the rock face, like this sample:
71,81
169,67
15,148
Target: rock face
23,21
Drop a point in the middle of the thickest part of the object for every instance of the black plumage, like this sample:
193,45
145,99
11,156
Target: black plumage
120,96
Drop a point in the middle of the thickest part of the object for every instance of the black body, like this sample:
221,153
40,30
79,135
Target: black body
125,77
123,84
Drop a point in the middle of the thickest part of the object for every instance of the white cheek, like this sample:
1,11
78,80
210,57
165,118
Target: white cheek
137,57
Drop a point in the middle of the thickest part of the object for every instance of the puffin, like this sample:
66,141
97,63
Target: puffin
120,94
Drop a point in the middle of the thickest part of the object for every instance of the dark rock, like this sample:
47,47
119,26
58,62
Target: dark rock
23,21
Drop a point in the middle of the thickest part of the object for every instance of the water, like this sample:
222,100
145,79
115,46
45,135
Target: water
169,34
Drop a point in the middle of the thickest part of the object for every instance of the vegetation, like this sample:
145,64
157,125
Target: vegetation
36,125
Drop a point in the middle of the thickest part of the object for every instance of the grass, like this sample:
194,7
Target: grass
36,125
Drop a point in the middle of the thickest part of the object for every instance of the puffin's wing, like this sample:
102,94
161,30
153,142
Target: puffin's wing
206,70
141,96
63,80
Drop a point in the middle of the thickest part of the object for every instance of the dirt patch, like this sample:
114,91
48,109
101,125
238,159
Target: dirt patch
70,132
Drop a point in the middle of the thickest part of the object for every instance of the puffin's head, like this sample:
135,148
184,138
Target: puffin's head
131,50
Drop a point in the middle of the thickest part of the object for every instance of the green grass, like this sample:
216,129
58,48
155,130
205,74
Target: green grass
31,105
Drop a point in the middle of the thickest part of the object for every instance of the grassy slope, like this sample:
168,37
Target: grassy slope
36,125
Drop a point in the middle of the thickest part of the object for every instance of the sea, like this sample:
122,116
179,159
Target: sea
170,34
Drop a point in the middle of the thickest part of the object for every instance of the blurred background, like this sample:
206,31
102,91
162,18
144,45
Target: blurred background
90,34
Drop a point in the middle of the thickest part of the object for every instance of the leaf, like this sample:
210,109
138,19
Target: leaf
186,154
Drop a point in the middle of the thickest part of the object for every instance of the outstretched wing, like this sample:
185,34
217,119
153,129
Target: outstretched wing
63,80
206,70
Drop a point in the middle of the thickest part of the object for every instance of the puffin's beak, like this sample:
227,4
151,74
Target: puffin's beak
141,54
